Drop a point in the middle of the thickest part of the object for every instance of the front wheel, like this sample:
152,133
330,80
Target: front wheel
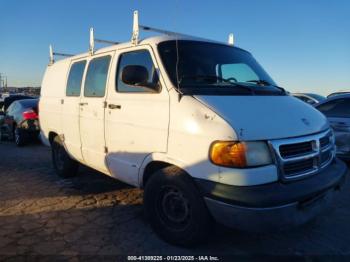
175,209
64,166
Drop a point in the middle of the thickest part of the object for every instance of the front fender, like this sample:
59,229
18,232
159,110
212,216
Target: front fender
163,157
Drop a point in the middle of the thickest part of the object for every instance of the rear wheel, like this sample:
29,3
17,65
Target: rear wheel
19,137
175,209
2,137
63,164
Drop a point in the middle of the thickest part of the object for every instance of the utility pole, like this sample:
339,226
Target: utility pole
3,82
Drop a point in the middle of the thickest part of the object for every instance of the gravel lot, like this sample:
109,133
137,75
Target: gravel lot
92,214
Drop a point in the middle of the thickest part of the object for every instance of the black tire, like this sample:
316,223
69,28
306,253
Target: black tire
64,166
2,138
19,137
175,208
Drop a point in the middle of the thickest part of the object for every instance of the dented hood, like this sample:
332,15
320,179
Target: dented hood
267,117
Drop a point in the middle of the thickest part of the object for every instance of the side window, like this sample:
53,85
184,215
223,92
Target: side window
74,79
11,108
96,77
138,58
336,108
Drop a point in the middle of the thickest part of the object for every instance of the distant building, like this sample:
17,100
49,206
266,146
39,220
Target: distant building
33,91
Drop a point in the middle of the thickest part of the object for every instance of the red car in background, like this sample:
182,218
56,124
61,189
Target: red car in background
20,121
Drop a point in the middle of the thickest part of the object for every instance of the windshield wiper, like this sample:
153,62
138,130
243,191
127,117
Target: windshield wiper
267,83
210,78
214,79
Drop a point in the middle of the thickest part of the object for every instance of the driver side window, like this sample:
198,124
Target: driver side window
137,58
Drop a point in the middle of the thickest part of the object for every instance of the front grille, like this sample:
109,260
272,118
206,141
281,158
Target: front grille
324,141
298,157
292,150
325,156
298,167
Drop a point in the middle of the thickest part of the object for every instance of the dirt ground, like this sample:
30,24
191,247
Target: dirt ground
93,215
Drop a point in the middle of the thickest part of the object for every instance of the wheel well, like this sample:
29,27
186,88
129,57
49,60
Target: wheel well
52,135
151,168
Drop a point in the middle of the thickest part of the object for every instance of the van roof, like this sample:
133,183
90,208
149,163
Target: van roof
154,40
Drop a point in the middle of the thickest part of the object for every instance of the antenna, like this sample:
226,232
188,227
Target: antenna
52,60
92,41
135,29
231,39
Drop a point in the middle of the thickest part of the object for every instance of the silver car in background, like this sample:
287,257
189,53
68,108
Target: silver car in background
310,98
337,110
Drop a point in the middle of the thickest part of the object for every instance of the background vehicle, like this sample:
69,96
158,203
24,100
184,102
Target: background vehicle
21,121
309,98
337,110
338,93
10,99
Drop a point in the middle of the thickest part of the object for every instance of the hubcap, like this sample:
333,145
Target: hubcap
173,208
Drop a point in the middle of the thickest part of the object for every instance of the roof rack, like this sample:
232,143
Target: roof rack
93,40
231,39
53,54
134,38
137,28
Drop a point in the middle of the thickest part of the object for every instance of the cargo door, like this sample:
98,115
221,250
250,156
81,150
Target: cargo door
92,112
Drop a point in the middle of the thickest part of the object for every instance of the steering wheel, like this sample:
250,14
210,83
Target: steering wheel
230,79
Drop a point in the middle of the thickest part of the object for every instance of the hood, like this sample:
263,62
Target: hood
267,117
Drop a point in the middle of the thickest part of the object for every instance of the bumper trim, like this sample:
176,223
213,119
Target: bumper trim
253,219
277,193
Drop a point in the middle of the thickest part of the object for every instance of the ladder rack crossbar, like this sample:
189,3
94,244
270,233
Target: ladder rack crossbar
106,41
62,54
161,31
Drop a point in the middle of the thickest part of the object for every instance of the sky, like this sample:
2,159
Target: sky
303,44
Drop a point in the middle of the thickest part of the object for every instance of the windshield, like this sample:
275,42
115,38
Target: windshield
214,69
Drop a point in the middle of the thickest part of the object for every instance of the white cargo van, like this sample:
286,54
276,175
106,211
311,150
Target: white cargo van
199,125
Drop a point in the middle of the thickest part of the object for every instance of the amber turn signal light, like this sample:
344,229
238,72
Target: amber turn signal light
230,154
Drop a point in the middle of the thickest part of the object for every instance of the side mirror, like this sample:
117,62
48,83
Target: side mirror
135,75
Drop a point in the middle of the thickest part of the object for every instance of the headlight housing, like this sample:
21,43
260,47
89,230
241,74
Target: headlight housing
240,154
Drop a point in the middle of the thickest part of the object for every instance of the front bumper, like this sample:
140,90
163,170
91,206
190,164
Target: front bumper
264,207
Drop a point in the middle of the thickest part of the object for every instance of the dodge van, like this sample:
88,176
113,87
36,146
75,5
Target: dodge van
200,126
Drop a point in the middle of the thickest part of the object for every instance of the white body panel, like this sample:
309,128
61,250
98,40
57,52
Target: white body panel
50,104
92,126
136,129
71,124
162,127
267,117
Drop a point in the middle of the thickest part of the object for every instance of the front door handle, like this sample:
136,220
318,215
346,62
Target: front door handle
113,106
83,104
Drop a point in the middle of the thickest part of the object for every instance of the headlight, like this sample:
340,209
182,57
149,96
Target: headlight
240,154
